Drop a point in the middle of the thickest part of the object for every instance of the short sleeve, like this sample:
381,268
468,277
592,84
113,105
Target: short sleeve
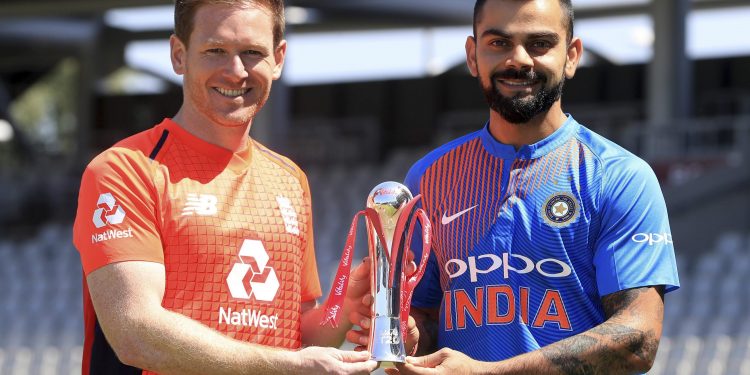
634,247
116,216
310,281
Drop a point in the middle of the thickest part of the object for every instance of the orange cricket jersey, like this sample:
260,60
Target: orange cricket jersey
233,230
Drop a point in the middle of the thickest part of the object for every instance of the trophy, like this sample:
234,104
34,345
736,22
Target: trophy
391,216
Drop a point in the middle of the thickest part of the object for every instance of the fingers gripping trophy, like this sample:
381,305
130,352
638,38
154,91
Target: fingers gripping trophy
391,216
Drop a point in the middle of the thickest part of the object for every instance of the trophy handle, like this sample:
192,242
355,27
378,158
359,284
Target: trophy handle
399,260
410,282
400,244
336,296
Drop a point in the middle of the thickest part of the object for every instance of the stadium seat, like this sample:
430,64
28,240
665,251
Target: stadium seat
706,328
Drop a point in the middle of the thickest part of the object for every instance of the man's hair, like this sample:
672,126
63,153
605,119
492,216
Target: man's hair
566,6
185,10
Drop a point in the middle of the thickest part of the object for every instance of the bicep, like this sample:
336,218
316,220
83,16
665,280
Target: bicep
125,290
644,303
634,323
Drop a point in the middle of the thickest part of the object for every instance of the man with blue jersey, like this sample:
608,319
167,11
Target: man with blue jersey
552,246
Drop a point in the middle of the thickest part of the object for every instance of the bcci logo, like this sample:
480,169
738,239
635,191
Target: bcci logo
108,212
252,271
560,209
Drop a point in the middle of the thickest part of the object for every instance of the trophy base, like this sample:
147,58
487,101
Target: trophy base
385,340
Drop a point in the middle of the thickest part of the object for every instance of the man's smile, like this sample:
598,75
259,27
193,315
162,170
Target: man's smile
518,83
231,93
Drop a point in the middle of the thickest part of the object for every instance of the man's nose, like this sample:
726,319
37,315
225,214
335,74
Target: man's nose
519,58
236,67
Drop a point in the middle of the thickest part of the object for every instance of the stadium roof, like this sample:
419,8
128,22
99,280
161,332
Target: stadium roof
374,33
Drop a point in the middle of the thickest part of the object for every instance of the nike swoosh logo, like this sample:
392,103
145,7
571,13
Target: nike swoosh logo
447,219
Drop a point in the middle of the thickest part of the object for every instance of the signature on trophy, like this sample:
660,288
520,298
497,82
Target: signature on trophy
390,337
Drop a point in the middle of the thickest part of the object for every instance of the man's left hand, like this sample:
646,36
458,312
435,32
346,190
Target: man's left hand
444,361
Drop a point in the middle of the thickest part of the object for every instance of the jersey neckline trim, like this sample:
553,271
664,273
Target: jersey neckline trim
532,151
159,144
235,161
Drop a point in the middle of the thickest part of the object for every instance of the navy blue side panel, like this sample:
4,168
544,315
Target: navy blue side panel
103,358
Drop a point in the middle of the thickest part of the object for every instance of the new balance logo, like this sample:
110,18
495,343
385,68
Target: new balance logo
203,205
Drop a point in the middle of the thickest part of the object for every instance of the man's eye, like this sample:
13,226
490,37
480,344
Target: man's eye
500,43
253,52
541,44
214,51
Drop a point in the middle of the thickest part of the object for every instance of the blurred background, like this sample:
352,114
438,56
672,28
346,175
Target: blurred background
369,87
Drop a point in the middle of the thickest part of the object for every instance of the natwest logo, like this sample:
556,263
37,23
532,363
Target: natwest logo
252,271
108,212
487,263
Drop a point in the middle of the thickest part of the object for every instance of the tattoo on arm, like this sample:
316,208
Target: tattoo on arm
639,343
567,358
606,348
620,301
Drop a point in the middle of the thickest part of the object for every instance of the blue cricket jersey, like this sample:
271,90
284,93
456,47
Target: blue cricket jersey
526,242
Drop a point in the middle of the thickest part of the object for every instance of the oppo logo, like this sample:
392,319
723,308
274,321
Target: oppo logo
487,263
652,238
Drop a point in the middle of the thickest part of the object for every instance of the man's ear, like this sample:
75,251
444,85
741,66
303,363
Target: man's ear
575,50
471,55
178,54
279,54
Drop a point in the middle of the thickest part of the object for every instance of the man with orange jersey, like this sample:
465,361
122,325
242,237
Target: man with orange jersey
196,241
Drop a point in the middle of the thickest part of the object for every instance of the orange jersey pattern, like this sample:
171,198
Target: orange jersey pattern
233,230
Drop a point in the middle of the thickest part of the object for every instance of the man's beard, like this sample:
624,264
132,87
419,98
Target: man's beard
515,109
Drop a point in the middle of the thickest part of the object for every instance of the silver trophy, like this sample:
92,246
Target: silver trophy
391,291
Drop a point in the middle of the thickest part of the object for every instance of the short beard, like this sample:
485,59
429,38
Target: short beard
518,110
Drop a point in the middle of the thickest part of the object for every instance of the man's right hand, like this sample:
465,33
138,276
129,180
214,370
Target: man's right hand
319,360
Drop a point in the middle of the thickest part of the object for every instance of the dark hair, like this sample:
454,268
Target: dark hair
184,15
566,5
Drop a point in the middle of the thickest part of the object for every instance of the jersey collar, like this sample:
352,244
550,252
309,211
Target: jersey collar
235,161
532,151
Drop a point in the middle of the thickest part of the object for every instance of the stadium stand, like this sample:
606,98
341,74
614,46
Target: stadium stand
41,327
706,329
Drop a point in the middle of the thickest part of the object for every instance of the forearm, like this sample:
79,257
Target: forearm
170,343
314,334
613,347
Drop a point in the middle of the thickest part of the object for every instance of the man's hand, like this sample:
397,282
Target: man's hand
358,304
358,298
444,361
318,360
